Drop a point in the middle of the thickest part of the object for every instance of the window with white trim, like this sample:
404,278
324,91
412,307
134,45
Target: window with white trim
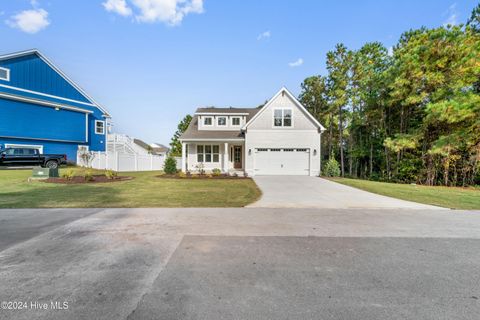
282,117
99,127
208,153
207,121
235,121
222,121
4,74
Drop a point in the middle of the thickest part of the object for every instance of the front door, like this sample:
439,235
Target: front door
237,157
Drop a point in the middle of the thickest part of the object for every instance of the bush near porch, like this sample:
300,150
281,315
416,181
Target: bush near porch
146,190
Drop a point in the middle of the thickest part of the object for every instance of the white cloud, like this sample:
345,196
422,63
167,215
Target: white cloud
264,35
296,63
170,12
452,15
30,21
34,3
118,6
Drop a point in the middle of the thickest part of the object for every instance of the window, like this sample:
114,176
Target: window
207,121
28,146
29,152
222,121
99,127
83,149
4,74
282,118
208,153
235,121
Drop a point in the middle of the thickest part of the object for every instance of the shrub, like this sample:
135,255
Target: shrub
110,174
69,174
170,166
216,172
200,168
88,175
331,167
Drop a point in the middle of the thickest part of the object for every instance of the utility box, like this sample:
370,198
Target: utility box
44,173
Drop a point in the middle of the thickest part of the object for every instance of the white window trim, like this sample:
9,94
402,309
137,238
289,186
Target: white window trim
103,128
283,118
86,148
8,74
204,153
28,146
239,121
207,125
221,125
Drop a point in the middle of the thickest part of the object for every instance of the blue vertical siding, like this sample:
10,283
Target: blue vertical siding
32,73
29,123
26,120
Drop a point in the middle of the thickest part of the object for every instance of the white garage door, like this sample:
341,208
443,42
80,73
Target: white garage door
282,161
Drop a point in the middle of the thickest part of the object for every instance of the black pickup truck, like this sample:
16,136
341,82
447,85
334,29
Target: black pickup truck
14,157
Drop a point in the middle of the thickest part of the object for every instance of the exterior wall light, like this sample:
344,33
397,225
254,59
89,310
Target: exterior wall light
249,152
314,152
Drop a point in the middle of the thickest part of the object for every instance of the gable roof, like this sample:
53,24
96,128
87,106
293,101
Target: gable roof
299,105
230,110
56,69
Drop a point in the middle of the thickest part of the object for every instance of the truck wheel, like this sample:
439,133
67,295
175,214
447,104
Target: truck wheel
52,164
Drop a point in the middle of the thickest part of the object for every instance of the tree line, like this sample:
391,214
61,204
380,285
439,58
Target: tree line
409,114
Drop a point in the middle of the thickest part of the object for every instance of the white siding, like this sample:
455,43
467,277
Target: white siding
282,139
303,134
208,166
300,119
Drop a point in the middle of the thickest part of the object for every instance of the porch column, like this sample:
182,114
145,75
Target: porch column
225,158
184,157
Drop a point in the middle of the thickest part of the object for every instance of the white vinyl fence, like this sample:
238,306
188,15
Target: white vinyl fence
117,161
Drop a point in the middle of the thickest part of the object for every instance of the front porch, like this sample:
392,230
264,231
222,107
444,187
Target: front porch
227,156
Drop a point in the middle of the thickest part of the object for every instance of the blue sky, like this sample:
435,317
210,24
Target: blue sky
150,62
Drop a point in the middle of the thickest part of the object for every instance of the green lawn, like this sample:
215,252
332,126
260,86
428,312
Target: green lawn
146,190
449,197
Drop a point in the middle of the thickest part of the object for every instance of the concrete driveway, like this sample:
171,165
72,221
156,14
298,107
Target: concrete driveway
314,192
240,263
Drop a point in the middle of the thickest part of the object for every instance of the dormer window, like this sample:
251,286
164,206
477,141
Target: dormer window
4,74
222,121
282,118
207,121
235,121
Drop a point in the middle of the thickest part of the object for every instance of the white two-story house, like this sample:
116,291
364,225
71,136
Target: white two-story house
280,138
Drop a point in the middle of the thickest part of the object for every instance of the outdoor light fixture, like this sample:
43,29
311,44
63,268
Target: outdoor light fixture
249,152
314,152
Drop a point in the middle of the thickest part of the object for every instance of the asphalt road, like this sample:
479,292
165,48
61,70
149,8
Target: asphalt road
240,264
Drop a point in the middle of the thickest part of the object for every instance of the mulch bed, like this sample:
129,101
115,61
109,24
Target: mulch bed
200,176
81,180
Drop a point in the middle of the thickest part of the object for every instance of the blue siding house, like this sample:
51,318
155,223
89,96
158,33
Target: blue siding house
41,107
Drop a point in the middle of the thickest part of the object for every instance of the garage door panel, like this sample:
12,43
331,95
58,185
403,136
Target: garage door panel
282,161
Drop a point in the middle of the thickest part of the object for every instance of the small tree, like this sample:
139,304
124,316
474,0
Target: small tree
331,168
170,166
87,158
